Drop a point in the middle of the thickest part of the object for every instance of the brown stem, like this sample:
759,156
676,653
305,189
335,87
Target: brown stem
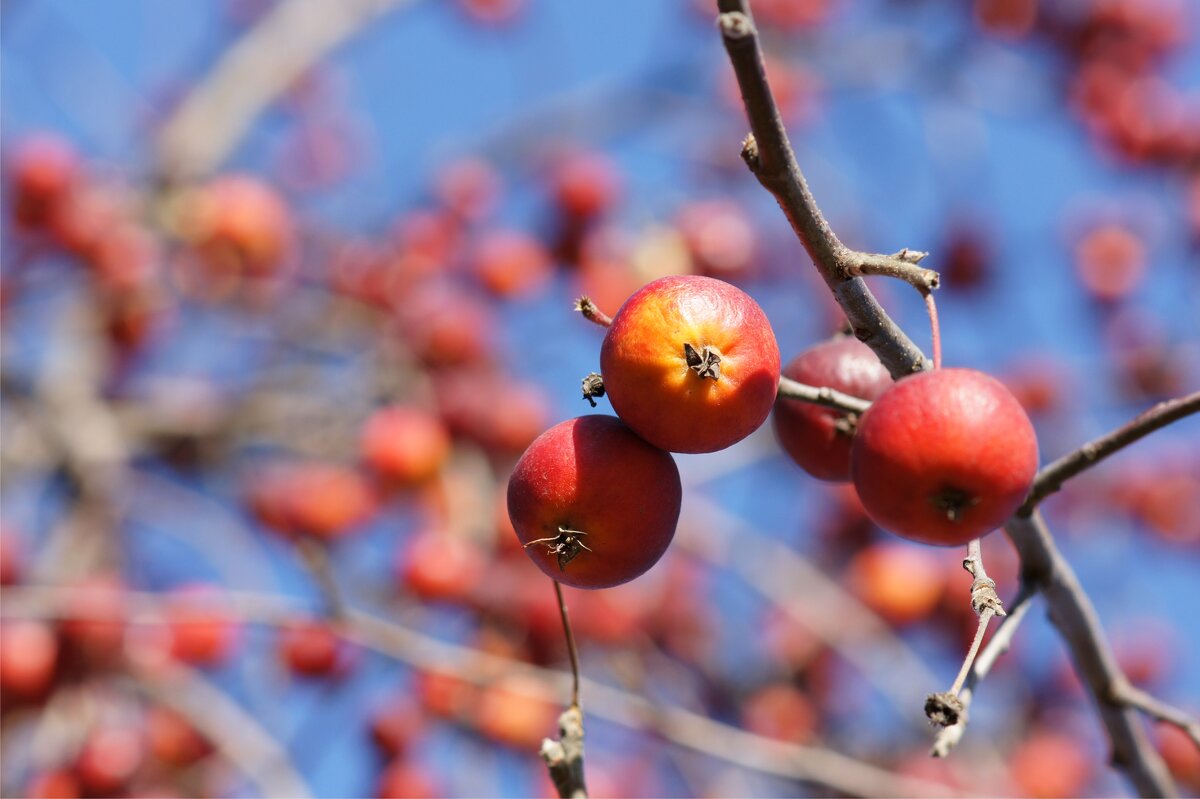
935,330
591,312
1051,478
768,154
1072,613
997,646
821,395
572,651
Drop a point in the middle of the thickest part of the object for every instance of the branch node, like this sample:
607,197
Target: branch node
735,25
944,709
750,152
564,755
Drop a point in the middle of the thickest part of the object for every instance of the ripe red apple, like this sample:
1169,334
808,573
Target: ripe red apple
239,225
55,784
28,658
690,364
512,712
437,565
585,185
594,505
42,171
508,263
404,780
900,582
816,438
404,445
781,711
1110,261
108,759
328,500
943,457
1049,764
172,739
94,622
200,634
310,648
395,725
719,237
469,188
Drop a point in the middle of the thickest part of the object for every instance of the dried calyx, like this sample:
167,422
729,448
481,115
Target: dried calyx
705,362
566,546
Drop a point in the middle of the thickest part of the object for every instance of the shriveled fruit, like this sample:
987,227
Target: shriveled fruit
943,457
817,438
593,504
690,364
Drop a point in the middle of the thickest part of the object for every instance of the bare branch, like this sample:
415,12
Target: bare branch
822,395
1051,478
1071,611
901,265
769,155
812,764
564,755
288,40
949,736
235,732
1156,708
945,709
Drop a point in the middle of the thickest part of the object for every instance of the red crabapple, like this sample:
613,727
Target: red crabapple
816,438
943,457
690,364
594,505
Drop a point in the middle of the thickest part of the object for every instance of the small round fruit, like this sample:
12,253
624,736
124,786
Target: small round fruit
594,505
943,457
690,364
817,438
405,446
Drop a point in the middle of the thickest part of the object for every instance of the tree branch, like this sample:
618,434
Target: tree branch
822,395
1133,696
842,774
997,646
769,155
268,60
1072,613
564,755
1052,477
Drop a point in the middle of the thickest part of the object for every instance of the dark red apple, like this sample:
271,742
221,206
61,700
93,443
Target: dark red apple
817,438
594,505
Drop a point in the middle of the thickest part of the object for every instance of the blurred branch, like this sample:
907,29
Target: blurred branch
235,732
822,395
1072,613
842,774
949,736
769,155
1051,478
268,60
1133,696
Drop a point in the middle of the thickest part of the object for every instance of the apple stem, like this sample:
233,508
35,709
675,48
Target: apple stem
934,329
572,651
591,312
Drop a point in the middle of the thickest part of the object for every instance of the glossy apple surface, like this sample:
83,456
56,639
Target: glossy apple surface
592,475
818,439
944,456
690,364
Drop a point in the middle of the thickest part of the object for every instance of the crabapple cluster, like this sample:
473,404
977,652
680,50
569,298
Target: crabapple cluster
690,364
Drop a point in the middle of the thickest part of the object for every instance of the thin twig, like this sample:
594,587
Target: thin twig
821,395
949,736
1052,477
1072,613
1129,694
268,60
768,154
842,774
901,265
315,556
946,708
935,330
572,651
564,755
591,312
232,730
